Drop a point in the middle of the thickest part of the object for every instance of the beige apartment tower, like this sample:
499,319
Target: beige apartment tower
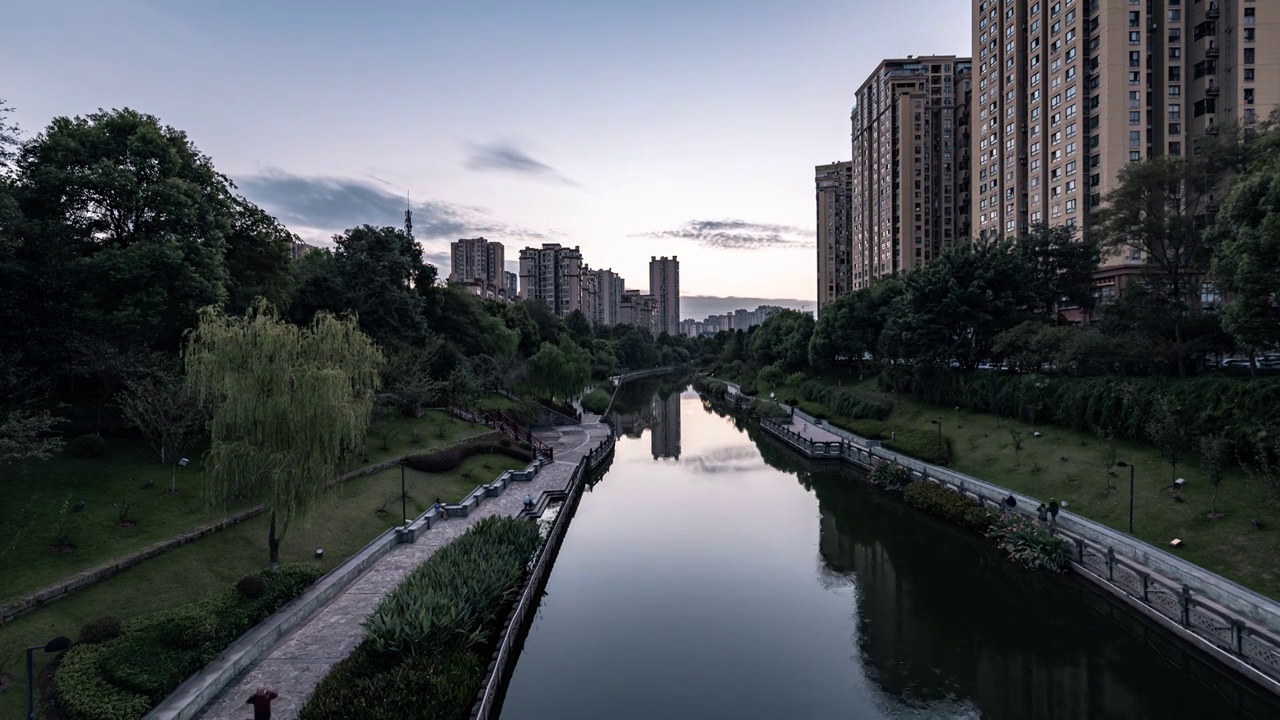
1066,93
664,286
552,274
834,187
910,172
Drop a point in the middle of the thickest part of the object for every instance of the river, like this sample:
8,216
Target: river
711,574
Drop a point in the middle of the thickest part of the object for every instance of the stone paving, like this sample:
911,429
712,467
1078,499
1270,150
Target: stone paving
812,432
301,659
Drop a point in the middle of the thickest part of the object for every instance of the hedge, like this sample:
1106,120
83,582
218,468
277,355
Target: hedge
596,402
1118,406
891,476
951,505
123,677
839,401
451,458
918,443
428,642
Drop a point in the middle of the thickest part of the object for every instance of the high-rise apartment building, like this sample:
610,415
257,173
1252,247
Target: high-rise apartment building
664,284
552,274
473,259
639,310
910,170
590,288
1068,92
511,282
834,187
608,309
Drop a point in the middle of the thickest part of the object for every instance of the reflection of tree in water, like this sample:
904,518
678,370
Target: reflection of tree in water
938,602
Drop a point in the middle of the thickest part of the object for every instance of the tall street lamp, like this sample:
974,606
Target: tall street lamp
938,422
57,644
1125,464
404,499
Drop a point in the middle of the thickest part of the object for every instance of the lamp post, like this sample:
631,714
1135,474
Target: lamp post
57,644
1125,464
938,422
404,500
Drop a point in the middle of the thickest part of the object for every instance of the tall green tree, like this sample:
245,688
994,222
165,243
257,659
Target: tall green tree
783,339
9,136
849,328
290,405
164,408
1059,266
1159,212
578,327
383,280
258,249
1246,263
954,307
124,229
559,371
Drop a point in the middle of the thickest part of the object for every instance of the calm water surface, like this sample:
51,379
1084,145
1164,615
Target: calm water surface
709,574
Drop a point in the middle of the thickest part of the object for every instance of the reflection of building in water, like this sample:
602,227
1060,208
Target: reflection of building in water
666,429
661,417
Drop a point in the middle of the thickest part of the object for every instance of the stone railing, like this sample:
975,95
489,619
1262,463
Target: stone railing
1213,612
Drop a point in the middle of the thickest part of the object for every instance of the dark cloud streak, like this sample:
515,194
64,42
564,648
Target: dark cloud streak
736,235
502,157
336,204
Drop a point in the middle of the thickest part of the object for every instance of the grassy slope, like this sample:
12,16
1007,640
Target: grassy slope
33,500
342,524
982,447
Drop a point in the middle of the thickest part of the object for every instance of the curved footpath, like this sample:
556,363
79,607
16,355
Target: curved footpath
301,659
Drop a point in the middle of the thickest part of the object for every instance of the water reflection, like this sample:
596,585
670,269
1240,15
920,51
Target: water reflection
742,583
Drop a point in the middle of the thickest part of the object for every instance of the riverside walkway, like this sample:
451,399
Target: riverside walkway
301,659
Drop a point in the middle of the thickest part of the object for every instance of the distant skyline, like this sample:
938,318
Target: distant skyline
661,128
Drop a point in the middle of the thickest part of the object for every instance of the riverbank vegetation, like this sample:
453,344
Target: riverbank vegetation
119,671
1008,361
133,276
431,638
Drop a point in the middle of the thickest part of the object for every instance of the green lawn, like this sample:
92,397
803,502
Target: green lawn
34,498
345,522
1071,466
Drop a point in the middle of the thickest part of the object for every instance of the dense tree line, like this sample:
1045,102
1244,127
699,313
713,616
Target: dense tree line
116,233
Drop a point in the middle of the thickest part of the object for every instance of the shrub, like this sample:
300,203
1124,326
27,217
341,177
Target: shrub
440,687
769,409
596,401
1030,545
770,375
796,379
841,401
426,640
123,677
456,595
252,586
101,629
891,476
86,446
950,505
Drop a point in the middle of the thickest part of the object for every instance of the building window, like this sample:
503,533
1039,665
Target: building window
1248,56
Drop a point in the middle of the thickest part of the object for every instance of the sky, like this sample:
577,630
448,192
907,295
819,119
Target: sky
629,129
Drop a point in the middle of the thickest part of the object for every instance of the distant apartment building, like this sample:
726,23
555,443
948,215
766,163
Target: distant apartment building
511,281
552,275
297,249
1066,94
664,285
640,310
834,186
478,265
609,288
736,320
910,170
590,289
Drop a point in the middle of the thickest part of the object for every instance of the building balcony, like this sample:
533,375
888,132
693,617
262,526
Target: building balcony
1212,12
1212,52
1212,91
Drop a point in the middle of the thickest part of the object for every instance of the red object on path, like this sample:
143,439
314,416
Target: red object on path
261,702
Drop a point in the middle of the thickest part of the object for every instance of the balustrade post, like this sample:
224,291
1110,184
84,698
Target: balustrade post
1146,579
1080,550
1111,563
1238,630
1186,606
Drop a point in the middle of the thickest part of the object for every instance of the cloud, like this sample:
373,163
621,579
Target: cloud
502,157
319,207
737,235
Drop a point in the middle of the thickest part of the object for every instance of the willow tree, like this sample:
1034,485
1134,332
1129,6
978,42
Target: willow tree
289,405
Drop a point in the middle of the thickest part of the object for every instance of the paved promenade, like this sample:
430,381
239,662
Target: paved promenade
809,431
300,660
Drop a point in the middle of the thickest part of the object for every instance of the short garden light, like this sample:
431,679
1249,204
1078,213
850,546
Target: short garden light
57,644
